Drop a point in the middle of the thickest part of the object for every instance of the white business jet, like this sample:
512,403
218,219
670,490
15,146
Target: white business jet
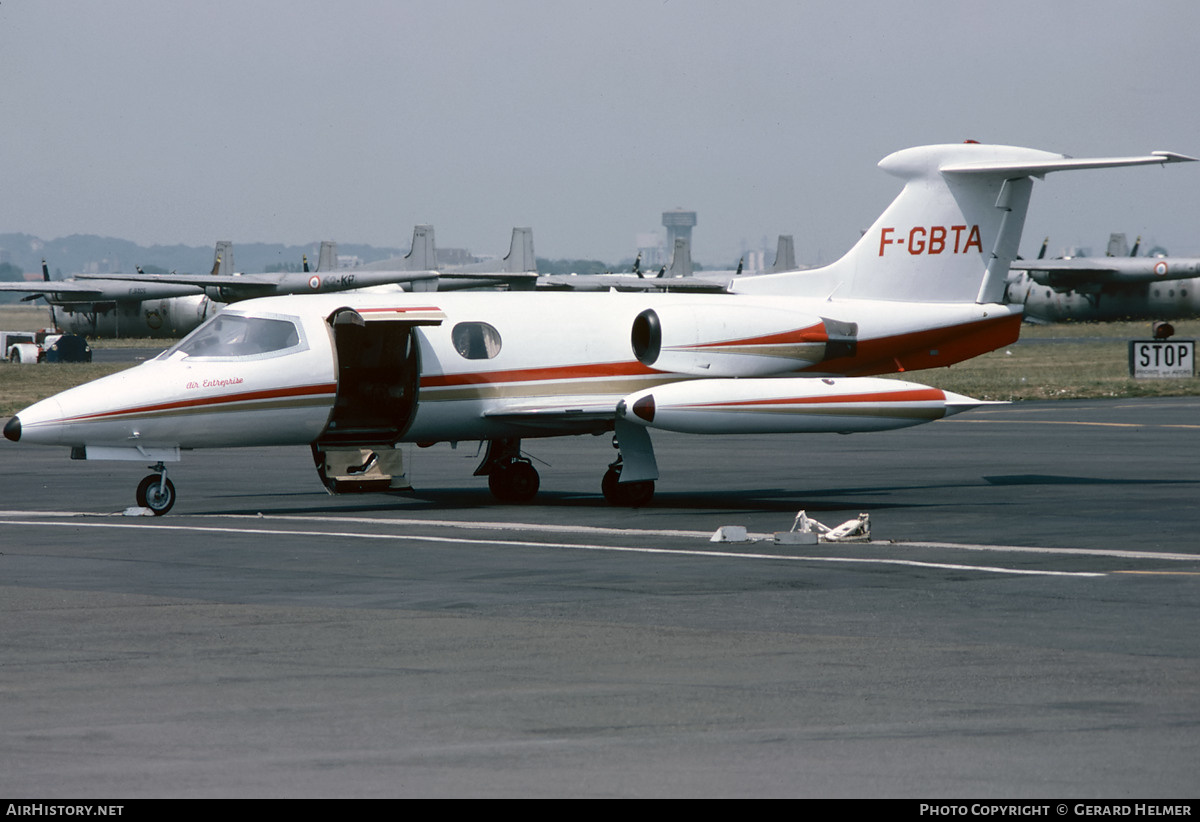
353,375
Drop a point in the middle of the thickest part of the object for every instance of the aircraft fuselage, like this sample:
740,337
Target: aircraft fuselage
472,366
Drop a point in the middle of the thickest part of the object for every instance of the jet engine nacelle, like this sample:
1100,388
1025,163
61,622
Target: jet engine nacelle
154,318
795,405
720,340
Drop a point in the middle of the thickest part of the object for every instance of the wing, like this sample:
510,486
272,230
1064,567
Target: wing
99,289
246,286
630,282
1096,271
569,415
55,287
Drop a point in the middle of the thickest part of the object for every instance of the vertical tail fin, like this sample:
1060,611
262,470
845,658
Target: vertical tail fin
520,259
785,254
223,259
423,254
327,259
681,259
1118,246
951,233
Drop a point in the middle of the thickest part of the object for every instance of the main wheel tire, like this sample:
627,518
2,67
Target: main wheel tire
156,493
514,482
626,494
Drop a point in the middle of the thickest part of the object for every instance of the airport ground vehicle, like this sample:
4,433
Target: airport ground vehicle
44,346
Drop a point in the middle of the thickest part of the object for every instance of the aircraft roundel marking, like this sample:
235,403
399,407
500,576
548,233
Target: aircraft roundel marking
1160,267
314,282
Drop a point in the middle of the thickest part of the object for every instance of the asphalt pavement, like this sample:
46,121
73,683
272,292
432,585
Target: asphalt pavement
1022,623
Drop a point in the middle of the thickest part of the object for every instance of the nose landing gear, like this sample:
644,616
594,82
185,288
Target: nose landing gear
636,458
625,494
156,491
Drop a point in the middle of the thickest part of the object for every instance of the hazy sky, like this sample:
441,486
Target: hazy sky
291,122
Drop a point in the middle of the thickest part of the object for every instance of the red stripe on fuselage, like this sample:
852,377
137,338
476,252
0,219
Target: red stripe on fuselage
811,334
221,399
934,348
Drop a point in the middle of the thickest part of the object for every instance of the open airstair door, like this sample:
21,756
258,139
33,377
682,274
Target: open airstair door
378,376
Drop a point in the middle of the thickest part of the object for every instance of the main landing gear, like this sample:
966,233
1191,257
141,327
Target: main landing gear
156,492
513,479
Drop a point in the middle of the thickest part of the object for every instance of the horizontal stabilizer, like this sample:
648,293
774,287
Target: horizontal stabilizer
1064,163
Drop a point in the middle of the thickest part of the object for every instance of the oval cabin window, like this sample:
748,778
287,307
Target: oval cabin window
476,341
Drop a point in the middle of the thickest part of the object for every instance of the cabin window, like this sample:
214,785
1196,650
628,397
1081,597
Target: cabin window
232,335
476,341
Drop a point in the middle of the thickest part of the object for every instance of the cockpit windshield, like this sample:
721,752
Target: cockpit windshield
235,335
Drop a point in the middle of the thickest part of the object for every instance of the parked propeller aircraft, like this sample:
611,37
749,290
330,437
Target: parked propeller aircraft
172,305
354,374
1106,288
519,272
108,306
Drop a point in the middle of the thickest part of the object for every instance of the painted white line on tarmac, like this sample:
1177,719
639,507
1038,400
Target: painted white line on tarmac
78,523
1082,423
1026,549
589,529
533,527
485,525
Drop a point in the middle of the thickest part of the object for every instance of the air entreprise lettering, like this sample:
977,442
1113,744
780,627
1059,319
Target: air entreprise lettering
216,383
934,240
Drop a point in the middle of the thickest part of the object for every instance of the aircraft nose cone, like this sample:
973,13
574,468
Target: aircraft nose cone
13,429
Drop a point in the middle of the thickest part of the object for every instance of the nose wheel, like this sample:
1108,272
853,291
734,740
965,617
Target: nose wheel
156,491
625,494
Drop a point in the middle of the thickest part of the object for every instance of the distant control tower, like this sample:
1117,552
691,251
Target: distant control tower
679,223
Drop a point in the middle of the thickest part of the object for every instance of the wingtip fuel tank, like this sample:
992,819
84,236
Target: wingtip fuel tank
790,405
